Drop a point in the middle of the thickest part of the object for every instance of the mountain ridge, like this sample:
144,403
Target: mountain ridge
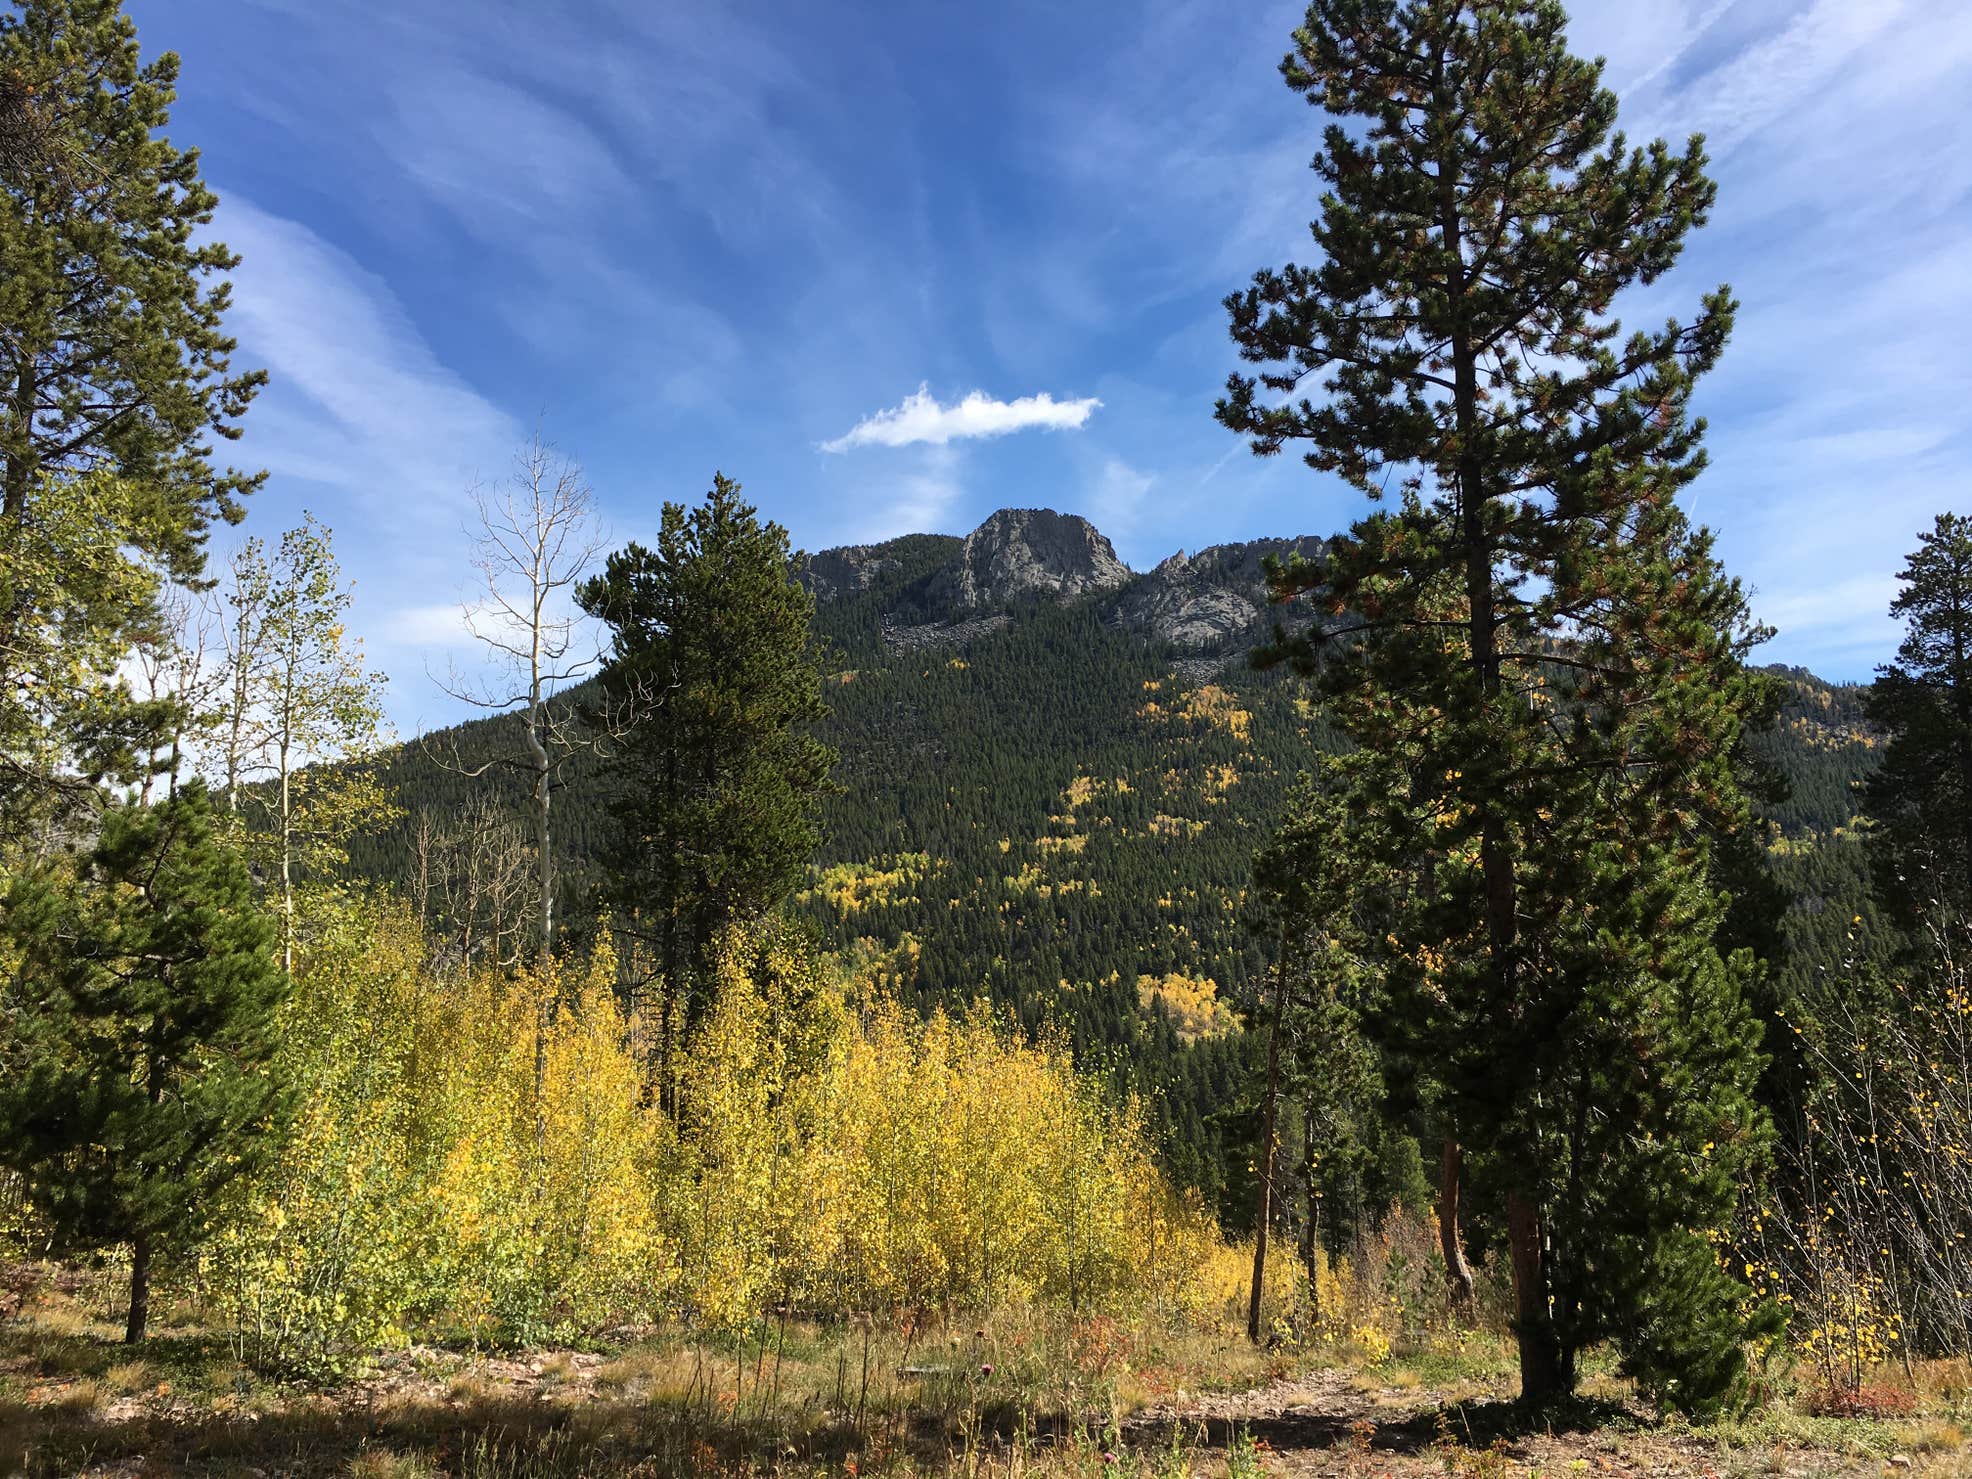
1212,602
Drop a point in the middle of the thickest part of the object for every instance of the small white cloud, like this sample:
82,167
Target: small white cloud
922,419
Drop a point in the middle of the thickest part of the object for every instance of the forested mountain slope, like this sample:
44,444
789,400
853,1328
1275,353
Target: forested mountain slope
1055,773
1822,747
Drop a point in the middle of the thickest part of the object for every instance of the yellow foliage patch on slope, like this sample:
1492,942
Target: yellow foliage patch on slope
1214,707
1085,788
1210,707
1192,1002
850,888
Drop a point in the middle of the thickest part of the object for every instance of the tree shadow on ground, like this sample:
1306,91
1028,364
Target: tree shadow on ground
1476,1424
533,1436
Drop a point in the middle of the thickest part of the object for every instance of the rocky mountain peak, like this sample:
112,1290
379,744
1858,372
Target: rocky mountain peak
1018,551
1213,600
833,574
938,590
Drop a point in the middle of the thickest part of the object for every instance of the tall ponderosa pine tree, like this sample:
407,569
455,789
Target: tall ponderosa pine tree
115,374
28,146
1535,645
1921,798
143,1006
111,309
719,777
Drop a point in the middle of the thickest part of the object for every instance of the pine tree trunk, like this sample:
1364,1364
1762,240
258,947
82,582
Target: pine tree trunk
140,1290
1542,1375
140,1247
1540,1364
1267,1116
1311,1226
1458,1273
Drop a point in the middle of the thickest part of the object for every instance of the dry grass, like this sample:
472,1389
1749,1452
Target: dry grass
80,1398
470,1387
1937,1436
127,1378
889,1398
645,1371
377,1463
58,1315
1945,1383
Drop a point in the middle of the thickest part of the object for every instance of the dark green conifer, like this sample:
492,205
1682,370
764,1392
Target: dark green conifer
1310,887
144,997
112,300
116,379
1536,656
719,778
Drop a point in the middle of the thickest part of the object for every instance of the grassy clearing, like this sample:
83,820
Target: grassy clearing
1014,1395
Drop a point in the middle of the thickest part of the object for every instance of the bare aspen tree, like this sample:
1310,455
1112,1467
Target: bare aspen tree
1451,1242
537,537
425,855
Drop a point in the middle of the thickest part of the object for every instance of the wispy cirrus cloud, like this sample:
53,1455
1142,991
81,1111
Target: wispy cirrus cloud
358,399
1670,27
365,425
504,161
922,418
1761,84
440,626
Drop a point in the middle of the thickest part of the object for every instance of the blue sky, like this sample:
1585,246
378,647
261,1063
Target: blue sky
728,236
